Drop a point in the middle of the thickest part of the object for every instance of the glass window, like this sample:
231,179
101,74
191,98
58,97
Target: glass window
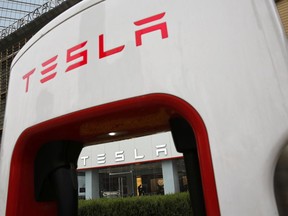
81,185
133,180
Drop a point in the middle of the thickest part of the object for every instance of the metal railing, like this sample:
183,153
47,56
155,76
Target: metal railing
49,5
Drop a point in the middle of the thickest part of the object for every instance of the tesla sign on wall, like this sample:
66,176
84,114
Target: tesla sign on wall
143,149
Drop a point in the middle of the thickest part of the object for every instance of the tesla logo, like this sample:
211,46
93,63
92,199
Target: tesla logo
119,156
77,56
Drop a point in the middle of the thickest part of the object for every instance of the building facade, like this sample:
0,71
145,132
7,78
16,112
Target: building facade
140,166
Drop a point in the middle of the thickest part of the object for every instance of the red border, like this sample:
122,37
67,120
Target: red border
20,199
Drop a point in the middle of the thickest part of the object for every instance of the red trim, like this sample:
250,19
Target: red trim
131,115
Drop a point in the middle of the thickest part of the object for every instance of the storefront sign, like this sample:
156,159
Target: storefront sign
119,156
116,153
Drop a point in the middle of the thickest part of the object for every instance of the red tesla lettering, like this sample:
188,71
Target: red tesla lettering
81,56
161,26
77,55
103,53
27,77
49,69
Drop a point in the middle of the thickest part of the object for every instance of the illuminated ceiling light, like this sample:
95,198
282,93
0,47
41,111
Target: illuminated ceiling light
112,133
